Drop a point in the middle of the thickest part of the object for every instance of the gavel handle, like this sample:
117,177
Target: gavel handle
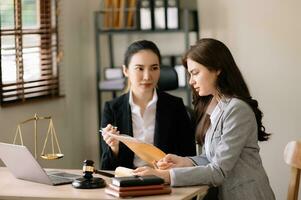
107,174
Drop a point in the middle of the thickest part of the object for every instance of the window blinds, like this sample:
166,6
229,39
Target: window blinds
29,50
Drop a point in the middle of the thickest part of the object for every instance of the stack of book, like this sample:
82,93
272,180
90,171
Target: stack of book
125,184
119,14
131,186
140,14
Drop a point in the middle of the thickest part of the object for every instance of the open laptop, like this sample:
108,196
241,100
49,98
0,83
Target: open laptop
19,160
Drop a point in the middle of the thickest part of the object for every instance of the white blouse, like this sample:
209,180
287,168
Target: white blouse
143,126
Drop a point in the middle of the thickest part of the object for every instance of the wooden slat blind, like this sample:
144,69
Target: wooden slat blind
29,50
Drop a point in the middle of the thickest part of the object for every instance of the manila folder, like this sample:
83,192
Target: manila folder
147,152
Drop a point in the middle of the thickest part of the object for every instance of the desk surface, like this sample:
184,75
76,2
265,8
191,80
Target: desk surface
12,188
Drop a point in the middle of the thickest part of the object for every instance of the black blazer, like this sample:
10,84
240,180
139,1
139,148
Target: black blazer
174,131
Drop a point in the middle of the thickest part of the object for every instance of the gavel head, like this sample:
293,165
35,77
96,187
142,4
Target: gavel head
88,181
88,169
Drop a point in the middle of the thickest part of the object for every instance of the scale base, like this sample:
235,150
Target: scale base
92,183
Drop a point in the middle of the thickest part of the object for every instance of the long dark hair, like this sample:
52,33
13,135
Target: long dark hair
215,56
140,45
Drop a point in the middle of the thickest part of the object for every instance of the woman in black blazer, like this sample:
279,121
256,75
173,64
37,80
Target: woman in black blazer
145,112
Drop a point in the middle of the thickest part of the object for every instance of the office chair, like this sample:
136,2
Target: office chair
292,157
168,79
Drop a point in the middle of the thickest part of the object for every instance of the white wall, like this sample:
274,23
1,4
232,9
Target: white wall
264,37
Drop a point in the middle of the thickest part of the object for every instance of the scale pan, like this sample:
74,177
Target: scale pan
51,156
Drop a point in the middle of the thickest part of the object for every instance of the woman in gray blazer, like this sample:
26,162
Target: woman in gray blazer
229,128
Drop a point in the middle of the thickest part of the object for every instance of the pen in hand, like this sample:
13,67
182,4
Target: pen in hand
102,129
108,135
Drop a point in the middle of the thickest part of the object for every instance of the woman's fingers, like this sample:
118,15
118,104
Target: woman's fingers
169,158
167,162
138,169
113,142
109,128
107,138
164,165
110,140
142,171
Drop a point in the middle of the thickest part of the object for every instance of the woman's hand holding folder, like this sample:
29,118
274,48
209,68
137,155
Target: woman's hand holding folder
146,170
172,161
162,166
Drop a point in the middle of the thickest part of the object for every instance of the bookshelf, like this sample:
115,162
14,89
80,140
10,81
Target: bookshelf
104,40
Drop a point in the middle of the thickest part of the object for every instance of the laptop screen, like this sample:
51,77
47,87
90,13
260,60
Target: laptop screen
21,163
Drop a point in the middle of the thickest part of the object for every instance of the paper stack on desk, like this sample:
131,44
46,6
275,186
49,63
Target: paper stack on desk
131,186
147,152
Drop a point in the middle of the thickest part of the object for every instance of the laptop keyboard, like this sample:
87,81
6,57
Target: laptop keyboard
61,177
56,180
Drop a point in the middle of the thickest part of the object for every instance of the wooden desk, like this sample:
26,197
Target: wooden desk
12,188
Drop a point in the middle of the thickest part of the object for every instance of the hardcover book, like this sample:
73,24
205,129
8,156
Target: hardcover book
132,188
134,193
127,181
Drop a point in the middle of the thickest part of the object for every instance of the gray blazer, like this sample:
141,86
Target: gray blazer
230,158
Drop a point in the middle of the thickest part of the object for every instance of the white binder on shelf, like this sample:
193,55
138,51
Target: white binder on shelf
172,9
159,14
145,15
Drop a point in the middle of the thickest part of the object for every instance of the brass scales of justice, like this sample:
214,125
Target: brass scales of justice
51,132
